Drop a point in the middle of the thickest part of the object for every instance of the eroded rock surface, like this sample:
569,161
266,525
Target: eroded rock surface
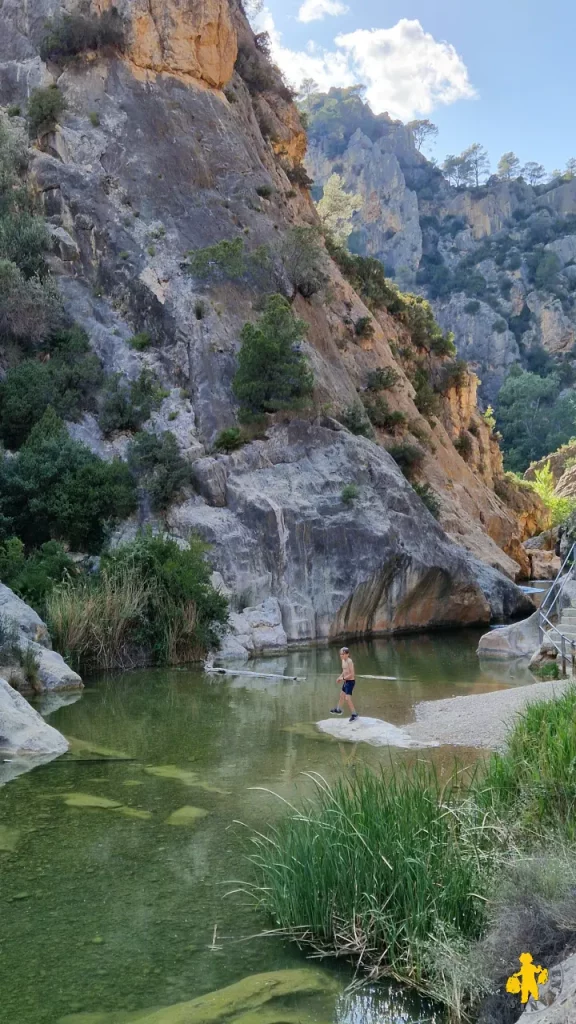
22,729
31,633
278,527
518,640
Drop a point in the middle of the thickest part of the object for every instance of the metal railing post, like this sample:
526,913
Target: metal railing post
551,605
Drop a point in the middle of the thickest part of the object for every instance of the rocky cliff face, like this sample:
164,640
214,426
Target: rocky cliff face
498,262
164,148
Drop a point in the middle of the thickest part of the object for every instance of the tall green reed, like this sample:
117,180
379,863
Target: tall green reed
376,866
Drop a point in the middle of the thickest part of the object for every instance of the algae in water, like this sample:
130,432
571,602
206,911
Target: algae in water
87,800
8,839
186,815
246,1002
171,771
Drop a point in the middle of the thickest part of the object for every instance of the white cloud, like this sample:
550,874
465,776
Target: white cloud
406,71
315,10
325,67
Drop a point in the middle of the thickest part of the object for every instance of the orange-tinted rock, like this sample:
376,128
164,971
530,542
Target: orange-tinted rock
182,37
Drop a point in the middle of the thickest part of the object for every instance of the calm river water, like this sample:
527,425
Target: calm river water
114,908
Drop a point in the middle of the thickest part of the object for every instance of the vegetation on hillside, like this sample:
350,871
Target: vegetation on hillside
272,371
533,417
151,601
70,35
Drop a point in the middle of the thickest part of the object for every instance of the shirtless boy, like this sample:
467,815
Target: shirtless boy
348,683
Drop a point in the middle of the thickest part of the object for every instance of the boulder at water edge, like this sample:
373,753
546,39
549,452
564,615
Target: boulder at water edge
520,640
32,633
22,729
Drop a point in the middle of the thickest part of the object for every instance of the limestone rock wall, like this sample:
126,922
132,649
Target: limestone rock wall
31,633
420,227
172,163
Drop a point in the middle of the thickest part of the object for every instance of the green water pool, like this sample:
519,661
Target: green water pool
117,858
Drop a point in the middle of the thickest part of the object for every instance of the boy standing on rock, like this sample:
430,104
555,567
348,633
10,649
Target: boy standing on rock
347,678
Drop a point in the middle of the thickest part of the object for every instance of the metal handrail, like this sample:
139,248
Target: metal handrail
563,575
556,591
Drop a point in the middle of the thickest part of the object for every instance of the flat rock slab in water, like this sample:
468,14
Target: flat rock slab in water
374,731
187,815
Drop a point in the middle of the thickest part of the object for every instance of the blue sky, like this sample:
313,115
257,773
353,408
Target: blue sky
501,73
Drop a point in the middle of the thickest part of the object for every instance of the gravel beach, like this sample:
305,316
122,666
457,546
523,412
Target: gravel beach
481,720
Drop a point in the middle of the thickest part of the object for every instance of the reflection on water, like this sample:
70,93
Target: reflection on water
118,856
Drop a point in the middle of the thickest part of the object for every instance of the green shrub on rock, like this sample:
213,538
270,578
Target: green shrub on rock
67,382
383,378
304,260
418,317
140,342
355,420
29,309
45,106
272,371
72,34
408,456
428,497
127,405
158,467
150,600
57,489
24,242
349,493
364,327
380,414
463,445
230,259
32,576
229,440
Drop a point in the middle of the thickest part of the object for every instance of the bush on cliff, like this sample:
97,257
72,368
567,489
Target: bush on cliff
56,489
272,371
158,467
304,260
231,259
126,405
45,106
533,418
151,601
24,242
32,576
30,309
67,382
72,34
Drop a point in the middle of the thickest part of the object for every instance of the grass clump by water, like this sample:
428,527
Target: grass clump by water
437,885
151,602
375,867
533,783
